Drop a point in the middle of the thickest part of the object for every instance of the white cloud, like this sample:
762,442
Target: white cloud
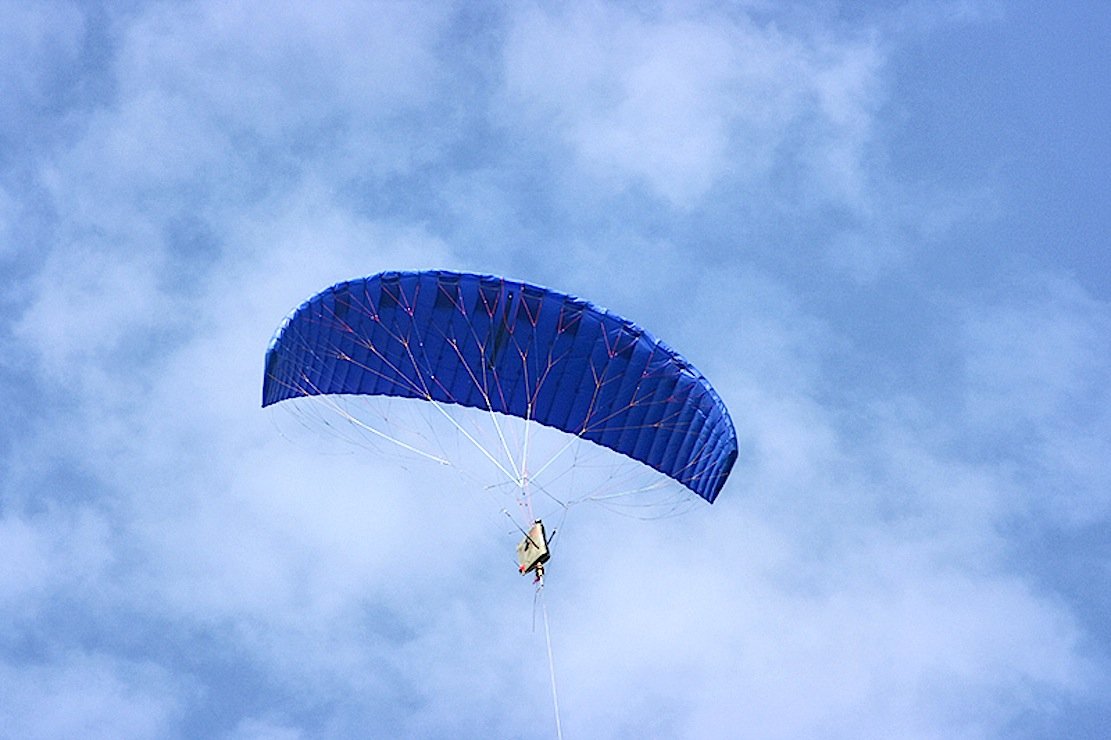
1037,371
721,622
88,695
1037,352
55,551
269,69
678,104
214,105
87,299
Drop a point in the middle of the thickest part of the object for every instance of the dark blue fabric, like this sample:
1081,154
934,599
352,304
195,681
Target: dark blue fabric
501,345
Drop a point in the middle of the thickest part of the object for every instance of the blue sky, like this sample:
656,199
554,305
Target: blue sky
879,229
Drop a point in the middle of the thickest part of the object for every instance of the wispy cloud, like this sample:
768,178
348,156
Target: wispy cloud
678,102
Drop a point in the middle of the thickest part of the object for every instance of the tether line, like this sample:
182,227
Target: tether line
551,665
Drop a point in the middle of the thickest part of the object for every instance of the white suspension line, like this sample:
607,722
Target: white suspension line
513,478
362,425
553,458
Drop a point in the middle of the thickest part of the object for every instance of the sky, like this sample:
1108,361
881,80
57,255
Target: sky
879,229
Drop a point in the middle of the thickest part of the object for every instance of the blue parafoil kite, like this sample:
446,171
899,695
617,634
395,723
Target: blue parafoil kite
510,348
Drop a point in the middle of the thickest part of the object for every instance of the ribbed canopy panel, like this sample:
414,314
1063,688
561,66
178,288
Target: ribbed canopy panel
514,348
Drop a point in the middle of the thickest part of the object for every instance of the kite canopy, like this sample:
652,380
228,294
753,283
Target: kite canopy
509,347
